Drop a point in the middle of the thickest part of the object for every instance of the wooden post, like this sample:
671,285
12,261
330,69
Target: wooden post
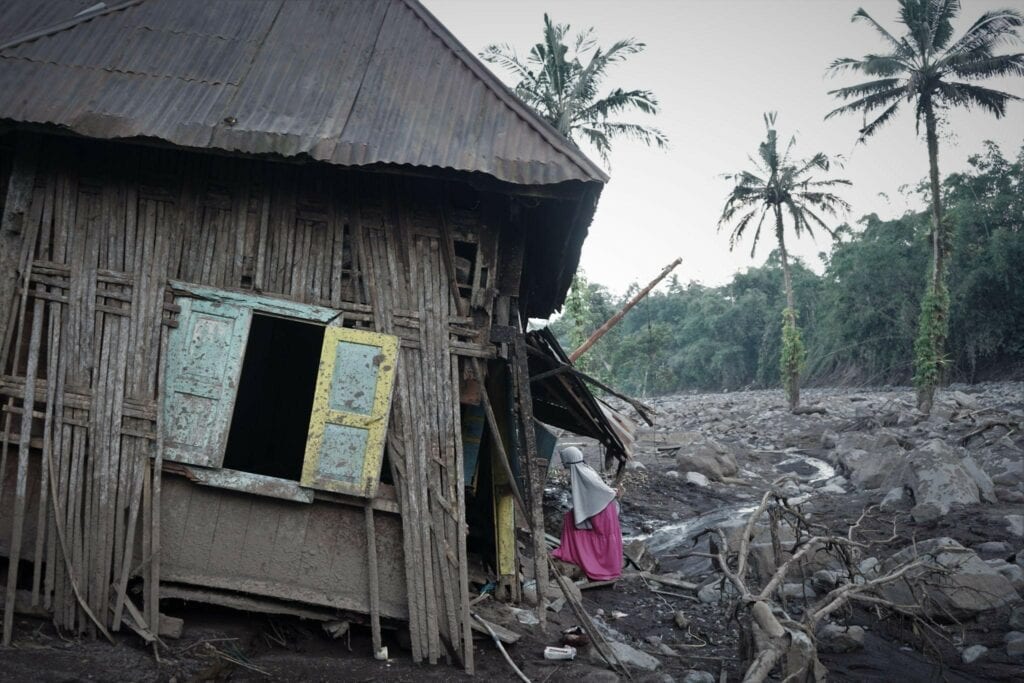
613,321
534,476
371,557
12,230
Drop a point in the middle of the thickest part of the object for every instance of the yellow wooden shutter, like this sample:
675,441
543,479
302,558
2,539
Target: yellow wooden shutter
351,406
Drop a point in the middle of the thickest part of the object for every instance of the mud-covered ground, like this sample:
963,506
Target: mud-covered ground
668,513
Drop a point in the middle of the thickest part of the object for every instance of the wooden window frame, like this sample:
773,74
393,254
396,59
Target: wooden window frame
309,486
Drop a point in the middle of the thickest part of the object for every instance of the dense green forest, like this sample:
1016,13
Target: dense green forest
859,317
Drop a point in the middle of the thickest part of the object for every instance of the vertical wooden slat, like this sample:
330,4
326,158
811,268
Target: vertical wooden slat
534,480
12,236
153,587
21,485
374,577
463,531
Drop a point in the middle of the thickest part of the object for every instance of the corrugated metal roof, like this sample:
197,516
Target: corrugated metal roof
351,83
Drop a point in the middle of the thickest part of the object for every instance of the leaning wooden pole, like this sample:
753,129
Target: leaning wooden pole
612,321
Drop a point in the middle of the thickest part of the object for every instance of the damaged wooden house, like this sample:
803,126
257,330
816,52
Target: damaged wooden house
266,273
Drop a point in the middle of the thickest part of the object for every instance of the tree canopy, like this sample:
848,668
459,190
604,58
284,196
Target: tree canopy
561,79
859,317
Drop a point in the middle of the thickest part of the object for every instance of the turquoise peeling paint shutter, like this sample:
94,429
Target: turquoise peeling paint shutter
204,361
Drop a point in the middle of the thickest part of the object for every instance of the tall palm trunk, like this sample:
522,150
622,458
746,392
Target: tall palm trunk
938,238
932,330
792,348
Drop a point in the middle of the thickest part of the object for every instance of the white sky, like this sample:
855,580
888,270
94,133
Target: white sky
716,66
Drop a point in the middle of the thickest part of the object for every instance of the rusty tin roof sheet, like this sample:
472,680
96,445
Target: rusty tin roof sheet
352,83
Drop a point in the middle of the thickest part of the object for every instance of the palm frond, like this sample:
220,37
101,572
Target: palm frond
871,102
647,134
991,29
968,95
833,233
741,225
869,88
979,67
619,100
900,46
599,140
757,233
869,129
505,56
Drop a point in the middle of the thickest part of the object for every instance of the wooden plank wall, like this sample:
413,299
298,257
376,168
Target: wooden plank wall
101,228
294,552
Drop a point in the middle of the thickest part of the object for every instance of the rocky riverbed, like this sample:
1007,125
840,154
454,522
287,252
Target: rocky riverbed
946,490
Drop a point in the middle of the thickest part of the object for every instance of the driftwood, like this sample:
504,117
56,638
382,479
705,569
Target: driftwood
770,636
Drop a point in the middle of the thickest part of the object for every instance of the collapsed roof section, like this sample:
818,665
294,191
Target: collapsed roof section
561,398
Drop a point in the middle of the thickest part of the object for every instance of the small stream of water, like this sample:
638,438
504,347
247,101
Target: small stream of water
808,470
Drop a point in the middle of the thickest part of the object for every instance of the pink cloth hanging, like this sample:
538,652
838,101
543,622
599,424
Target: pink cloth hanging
598,550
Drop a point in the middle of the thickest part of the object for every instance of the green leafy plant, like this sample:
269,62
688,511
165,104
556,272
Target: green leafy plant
933,329
791,361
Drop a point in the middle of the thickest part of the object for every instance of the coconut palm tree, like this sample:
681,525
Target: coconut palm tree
780,185
565,91
929,70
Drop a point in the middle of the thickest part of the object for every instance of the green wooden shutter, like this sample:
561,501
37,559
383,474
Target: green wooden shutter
204,361
351,406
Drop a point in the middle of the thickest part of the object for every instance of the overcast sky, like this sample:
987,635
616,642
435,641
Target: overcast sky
716,66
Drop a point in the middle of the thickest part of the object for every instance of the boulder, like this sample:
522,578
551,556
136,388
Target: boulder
637,552
697,479
938,480
986,489
837,638
973,653
1015,647
867,459
990,549
713,592
963,400
825,580
1017,618
593,675
1011,572
628,655
960,584
895,499
708,457
696,676
1015,524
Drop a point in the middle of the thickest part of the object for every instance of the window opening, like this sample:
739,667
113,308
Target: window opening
465,266
275,398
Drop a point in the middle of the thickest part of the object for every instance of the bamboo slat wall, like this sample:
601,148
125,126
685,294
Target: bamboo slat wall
99,229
